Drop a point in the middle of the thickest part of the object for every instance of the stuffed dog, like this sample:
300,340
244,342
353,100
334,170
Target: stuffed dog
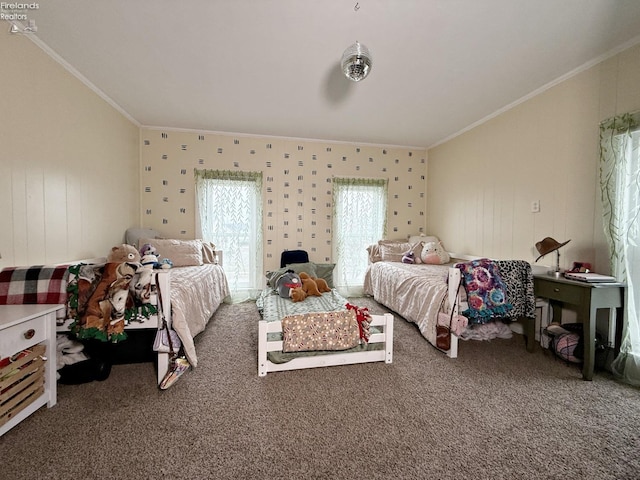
323,286
309,285
298,294
313,286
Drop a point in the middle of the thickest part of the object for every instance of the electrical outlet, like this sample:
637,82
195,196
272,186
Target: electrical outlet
535,206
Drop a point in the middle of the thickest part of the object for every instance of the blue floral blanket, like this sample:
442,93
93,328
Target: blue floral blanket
497,289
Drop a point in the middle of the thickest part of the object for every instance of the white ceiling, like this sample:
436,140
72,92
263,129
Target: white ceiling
271,67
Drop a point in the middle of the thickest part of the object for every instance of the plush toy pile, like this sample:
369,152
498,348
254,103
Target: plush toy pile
151,259
297,287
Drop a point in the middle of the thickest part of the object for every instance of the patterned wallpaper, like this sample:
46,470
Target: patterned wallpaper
296,184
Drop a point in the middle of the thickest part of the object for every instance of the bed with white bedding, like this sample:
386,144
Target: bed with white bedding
186,297
106,300
418,292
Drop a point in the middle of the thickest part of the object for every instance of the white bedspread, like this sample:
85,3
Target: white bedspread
413,291
196,293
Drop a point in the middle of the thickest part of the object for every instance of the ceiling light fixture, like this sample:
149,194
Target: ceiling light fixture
356,62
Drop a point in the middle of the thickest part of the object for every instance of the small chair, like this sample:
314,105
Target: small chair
293,256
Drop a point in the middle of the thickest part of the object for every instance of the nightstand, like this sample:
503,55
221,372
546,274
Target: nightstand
28,335
589,298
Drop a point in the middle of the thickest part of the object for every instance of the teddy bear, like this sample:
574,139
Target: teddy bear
123,253
312,285
288,282
151,259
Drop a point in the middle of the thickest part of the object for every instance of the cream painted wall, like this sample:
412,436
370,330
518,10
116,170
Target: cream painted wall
481,184
297,174
69,162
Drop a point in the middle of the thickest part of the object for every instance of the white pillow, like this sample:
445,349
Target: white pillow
413,239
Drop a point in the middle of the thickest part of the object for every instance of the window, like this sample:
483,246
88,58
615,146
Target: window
229,208
359,219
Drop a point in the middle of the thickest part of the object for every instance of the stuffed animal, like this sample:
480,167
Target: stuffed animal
127,270
151,259
433,253
287,282
123,253
98,311
312,285
323,286
298,294
141,285
408,257
309,285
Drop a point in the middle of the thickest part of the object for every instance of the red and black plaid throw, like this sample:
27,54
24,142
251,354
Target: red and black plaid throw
37,284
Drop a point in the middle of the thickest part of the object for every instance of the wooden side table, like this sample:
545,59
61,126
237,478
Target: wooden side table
24,389
588,297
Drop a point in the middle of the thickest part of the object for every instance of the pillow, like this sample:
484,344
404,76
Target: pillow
182,253
209,253
325,270
308,267
413,239
393,252
433,253
133,235
374,253
273,276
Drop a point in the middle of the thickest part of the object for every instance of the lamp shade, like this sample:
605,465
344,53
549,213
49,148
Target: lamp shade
356,62
548,245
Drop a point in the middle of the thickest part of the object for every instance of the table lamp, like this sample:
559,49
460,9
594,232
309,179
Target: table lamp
548,245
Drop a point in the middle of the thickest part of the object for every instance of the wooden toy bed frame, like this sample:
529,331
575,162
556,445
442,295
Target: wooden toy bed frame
329,359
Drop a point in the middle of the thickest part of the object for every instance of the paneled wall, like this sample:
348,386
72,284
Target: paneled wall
481,184
297,174
69,162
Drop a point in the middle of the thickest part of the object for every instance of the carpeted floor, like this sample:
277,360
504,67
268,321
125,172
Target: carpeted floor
496,412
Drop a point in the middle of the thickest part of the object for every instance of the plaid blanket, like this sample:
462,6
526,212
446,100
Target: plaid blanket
30,285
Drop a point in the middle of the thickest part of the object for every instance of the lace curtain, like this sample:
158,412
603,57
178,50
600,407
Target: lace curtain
229,214
620,186
359,219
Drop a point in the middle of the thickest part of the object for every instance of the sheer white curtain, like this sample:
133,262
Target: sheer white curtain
359,219
620,186
229,214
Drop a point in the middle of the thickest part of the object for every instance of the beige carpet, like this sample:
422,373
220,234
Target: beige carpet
497,412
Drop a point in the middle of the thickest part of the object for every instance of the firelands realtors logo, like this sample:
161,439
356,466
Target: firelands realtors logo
17,14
